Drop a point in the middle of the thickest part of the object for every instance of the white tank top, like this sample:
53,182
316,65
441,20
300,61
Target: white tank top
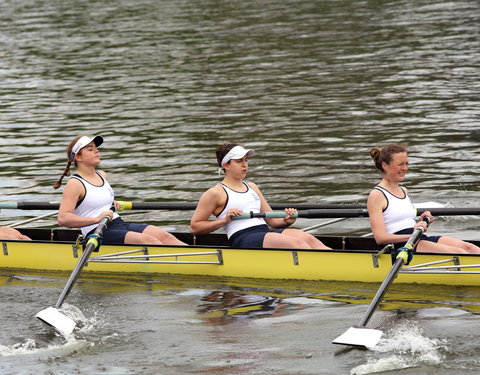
246,201
399,213
97,199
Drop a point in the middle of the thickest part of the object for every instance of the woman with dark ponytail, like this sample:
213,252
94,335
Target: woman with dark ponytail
234,195
88,197
392,214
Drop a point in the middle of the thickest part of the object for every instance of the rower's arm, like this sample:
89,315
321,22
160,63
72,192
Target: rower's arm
265,207
207,206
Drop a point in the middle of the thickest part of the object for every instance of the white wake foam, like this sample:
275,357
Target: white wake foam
30,346
405,347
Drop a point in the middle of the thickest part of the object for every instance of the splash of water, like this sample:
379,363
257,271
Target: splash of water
85,324
31,346
406,347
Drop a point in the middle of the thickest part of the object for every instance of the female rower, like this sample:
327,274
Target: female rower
233,196
392,215
88,197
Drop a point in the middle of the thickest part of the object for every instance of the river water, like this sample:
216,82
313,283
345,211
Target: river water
311,86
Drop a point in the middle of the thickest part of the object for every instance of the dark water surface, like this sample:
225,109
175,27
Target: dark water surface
312,86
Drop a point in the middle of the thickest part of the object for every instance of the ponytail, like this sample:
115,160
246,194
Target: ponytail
66,172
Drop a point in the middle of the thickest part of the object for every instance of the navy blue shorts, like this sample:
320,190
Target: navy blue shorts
251,237
410,231
117,229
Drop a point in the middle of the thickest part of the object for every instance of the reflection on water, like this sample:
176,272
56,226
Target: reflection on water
219,306
178,325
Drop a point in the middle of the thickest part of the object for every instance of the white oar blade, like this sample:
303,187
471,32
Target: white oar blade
57,320
359,336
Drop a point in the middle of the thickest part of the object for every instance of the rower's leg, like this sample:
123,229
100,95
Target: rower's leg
280,240
313,242
438,247
467,246
163,236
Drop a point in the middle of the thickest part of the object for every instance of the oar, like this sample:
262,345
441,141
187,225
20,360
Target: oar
361,335
181,206
51,315
25,205
355,212
310,214
338,210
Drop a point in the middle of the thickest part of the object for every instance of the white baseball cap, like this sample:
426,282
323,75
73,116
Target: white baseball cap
84,141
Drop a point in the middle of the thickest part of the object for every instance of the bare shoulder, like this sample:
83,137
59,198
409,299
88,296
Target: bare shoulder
376,199
254,186
211,202
375,194
214,195
73,192
74,184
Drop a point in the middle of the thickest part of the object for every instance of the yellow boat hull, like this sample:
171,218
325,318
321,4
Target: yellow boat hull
221,261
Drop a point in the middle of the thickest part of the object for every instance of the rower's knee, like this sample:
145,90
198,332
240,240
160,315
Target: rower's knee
301,244
141,238
471,248
151,239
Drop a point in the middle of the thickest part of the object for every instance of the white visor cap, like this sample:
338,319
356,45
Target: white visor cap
237,152
84,141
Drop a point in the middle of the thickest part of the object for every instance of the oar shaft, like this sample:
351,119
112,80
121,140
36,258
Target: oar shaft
381,291
309,210
450,211
92,244
392,274
353,212
311,214
29,205
180,206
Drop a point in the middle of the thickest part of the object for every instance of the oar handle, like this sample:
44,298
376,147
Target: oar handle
405,252
269,214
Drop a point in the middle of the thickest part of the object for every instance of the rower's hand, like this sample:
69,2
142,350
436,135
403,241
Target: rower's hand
118,205
231,213
421,224
427,214
103,214
288,219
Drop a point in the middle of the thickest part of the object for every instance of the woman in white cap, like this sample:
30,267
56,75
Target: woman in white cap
233,196
88,197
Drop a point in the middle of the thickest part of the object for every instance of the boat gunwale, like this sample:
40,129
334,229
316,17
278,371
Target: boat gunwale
372,251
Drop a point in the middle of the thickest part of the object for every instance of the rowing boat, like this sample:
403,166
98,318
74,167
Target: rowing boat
357,259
